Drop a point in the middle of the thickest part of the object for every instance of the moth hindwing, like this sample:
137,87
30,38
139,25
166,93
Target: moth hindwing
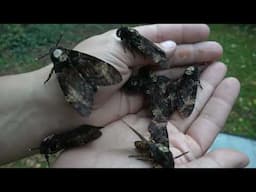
135,42
187,90
80,75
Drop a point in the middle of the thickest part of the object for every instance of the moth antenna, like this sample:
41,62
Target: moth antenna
199,84
33,149
136,132
61,35
41,57
47,159
50,74
181,155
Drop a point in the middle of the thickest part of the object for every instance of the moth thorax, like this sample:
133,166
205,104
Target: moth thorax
60,55
190,70
162,148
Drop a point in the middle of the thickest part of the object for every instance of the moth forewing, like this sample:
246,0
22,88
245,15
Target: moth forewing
79,76
135,42
79,136
187,91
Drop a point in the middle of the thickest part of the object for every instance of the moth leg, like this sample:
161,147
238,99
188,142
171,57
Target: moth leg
142,157
199,83
134,156
50,74
145,159
182,154
47,159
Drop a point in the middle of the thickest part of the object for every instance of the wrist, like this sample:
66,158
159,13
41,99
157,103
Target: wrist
53,111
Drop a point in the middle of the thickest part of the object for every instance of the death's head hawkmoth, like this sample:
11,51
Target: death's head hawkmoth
187,87
79,76
136,43
157,153
74,138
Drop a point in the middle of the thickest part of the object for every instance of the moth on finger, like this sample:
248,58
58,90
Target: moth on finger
136,43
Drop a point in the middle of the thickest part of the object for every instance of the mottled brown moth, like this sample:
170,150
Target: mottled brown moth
165,95
187,87
80,75
157,153
136,43
74,138
158,90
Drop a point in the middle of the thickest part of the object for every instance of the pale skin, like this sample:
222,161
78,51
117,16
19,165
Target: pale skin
30,110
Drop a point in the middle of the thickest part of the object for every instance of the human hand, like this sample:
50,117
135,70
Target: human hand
110,102
41,110
194,134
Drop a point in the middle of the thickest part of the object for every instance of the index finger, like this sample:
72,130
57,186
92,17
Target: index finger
180,33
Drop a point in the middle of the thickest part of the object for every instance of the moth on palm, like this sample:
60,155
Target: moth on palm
157,153
165,95
80,75
74,138
135,42
187,87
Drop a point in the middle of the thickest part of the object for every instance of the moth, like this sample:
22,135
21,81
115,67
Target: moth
158,132
80,75
74,138
158,90
154,152
135,42
187,87
165,95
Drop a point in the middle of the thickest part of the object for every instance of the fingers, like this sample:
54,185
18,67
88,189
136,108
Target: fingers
210,79
188,54
196,53
183,33
180,33
221,158
212,118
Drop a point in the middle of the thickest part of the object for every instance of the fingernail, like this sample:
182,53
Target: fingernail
167,45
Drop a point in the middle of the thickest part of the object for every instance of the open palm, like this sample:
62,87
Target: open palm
194,134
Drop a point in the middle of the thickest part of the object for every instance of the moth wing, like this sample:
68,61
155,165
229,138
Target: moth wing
95,70
162,99
155,52
81,135
186,97
186,109
78,92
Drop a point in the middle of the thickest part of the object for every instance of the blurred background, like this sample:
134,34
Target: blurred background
20,44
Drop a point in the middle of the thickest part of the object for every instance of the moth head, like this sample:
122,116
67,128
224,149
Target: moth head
190,70
125,32
142,146
162,155
51,49
58,54
50,145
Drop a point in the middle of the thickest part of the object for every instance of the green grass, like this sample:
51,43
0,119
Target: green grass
21,44
239,45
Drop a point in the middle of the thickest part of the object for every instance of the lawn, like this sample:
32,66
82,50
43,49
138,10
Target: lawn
20,44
